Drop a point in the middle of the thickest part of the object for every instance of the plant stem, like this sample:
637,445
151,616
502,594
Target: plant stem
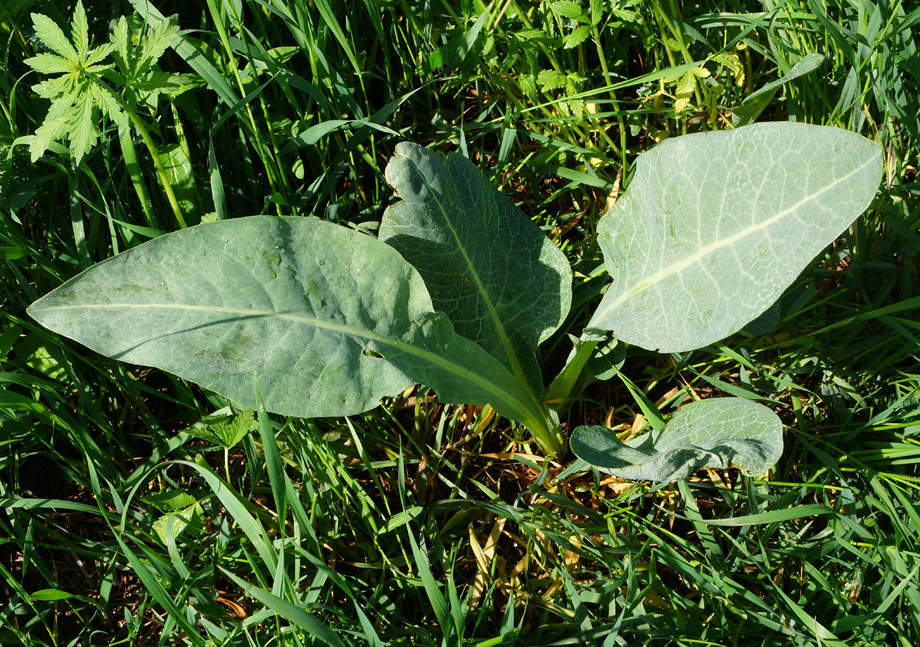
157,162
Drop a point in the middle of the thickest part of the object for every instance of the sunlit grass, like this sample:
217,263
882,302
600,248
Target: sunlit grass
419,524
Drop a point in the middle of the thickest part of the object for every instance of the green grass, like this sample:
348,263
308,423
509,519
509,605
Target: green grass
121,523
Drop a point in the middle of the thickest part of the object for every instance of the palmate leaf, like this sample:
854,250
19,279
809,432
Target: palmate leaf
503,284
328,320
716,433
76,94
715,226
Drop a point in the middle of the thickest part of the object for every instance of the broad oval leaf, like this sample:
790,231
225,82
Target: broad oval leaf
503,284
714,226
717,433
295,301
329,320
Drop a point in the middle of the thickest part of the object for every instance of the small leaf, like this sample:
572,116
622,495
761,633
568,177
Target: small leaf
551,79
120,40
597,11
103,98
733,62
98,54
569,9
528,86
170,499
189,520
156,42
49,131
229,433
83,132
51,595
55,89
576,37
717,433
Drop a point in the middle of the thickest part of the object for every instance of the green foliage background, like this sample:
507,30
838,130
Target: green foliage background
128,515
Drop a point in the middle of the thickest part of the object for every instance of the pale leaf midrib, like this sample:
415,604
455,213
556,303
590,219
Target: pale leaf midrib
678,267
516,367
481,381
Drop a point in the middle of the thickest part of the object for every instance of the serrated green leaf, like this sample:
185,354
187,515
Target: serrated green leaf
597,11
715,226
120,40
576,37
227,431
189,520
716,433
569,9
528,86
49,64
501,282
551,79
103,98
96,55
155,83
80,30
156,42
54,88
170,500
49,131
733,62
627,16
83,132
52,37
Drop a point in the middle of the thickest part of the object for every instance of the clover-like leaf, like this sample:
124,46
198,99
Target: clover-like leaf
717,433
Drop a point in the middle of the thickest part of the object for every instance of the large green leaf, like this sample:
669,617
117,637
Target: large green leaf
714,226
503,284
718,433
308,307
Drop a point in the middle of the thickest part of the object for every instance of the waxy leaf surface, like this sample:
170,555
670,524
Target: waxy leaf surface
310,308
714,226
503,284
716,433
